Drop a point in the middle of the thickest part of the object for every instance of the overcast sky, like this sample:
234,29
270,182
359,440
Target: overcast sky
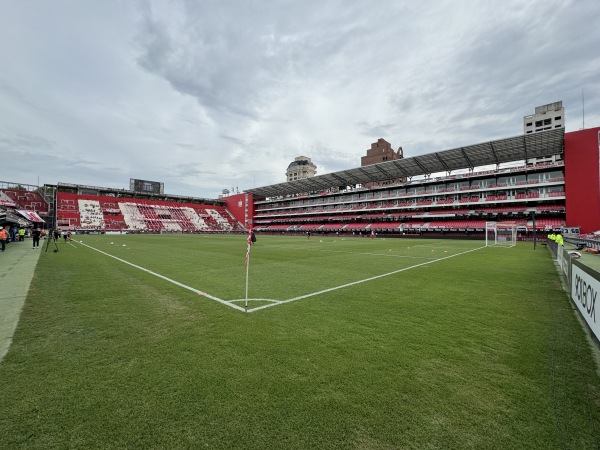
210,95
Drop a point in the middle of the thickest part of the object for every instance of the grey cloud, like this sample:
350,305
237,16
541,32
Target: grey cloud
86,164
16,94
238,71
376,131
157,46
27,144
187,170
403,102
233,140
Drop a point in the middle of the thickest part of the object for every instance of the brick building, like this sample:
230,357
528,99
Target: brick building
381,151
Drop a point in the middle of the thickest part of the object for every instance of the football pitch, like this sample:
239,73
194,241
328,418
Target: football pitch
149,341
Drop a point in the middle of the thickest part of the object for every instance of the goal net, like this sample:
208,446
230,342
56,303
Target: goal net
500,234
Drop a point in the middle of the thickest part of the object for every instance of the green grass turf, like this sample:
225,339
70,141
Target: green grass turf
479,350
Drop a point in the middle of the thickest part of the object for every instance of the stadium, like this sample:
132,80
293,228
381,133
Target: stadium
412,303
539,182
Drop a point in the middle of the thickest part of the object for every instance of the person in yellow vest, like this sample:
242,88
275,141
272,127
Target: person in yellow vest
21,234
559,239
3,237
552,236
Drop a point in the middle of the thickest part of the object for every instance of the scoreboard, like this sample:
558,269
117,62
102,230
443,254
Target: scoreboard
146,187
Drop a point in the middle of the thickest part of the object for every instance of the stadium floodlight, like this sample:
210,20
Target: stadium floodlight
500,234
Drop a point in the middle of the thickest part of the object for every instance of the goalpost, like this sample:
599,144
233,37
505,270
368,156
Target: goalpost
502,234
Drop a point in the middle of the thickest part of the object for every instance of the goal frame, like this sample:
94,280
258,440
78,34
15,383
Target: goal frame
500,234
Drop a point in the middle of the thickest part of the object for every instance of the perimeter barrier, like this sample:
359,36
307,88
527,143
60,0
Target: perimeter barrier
583,283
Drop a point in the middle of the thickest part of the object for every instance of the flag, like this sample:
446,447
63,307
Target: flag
249,244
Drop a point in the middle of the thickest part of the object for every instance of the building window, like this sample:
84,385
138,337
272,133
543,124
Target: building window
538,123
558,118
547,121
528,124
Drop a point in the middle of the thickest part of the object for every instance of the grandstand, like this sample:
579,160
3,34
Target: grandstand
522,180
27,200
433,198
82,208
22,205
129,213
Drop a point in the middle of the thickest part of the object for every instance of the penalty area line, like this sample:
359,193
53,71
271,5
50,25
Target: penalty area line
387,255
362,281
189,288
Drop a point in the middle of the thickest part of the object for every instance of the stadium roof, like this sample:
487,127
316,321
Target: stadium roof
516,148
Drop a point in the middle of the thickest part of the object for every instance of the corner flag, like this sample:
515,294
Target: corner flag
249,244
247,262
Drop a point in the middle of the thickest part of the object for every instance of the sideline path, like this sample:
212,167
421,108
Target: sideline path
17,264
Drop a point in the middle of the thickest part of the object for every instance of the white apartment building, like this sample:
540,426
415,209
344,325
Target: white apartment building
302,167
546,117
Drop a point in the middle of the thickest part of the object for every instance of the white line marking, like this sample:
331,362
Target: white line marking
205,294
274,302
376,254
361,281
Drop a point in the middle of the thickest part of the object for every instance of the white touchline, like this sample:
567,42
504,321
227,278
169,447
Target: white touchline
361,281
205,294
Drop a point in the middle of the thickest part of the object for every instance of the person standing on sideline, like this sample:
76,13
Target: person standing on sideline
56,234
253,238
559,239
35,234
3,237
21,234
308,235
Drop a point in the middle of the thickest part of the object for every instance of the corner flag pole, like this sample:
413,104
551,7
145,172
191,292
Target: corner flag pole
248,262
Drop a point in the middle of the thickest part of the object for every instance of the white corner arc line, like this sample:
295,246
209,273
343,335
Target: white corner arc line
272,300
205,294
